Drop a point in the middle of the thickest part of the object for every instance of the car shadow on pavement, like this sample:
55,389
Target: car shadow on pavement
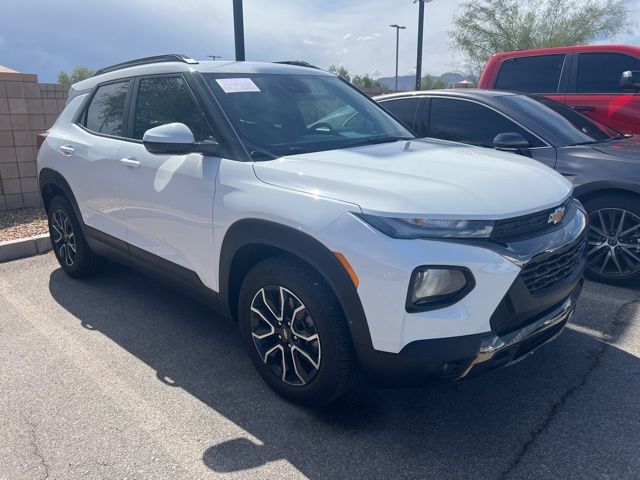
479,428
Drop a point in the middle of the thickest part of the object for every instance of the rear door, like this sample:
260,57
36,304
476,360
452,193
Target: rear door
90,151
594,90
540,74
168,199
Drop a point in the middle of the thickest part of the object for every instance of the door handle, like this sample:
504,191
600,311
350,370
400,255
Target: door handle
130,162
584,108
67,150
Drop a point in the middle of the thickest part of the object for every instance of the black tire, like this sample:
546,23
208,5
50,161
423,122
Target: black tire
321,315
68,242
613,255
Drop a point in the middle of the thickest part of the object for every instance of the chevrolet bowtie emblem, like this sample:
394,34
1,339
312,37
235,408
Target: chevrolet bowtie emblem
556,216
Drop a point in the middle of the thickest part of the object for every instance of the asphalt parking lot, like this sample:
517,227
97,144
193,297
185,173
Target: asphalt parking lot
120,377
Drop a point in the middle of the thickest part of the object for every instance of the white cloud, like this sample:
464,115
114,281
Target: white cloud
273,31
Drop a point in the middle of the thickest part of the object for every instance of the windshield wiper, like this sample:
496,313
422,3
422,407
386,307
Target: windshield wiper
259,153
375,141
588,142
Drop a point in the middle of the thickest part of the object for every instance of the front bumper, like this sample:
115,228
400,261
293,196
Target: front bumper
498,351
450,359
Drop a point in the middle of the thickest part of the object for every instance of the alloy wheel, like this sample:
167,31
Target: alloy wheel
63,238
285,335
614,243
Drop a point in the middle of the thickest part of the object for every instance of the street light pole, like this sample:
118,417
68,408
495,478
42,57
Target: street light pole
420,35
238,29
398,28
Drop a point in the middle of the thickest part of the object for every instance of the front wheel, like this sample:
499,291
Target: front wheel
295,332
614,239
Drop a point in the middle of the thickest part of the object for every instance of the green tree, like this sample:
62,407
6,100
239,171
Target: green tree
365,82
341,72
484,27
79,72
430,82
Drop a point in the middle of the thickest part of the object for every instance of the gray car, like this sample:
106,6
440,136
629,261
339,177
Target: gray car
603,164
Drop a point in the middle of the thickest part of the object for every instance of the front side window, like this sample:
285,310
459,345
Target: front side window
163,100
538,74
470,122
278,114
106,110
404,109
601,72
565,124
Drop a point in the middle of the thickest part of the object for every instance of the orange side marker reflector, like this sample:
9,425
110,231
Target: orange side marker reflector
347,266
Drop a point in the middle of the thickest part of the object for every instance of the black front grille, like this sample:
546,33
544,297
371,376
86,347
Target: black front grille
546,270
526,225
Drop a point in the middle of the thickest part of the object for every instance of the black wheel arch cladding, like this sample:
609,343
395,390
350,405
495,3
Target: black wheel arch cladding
255,234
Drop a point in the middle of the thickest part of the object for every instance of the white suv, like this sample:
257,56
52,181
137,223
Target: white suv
294,204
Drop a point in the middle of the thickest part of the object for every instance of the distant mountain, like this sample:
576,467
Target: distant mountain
407,82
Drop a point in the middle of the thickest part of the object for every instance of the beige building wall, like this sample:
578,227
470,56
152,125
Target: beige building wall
26,109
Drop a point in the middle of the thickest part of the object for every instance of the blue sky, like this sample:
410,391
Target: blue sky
44,36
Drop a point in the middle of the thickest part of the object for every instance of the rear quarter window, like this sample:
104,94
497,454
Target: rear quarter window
536,74
404,109
105,112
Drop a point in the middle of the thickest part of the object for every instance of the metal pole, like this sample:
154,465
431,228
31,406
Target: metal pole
397,52
420,34
238,28
398,28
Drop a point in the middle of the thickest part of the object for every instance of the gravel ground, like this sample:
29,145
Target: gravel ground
22,223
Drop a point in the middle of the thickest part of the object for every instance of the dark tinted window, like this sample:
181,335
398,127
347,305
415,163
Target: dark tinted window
600,72
539,74
404,110
566,125
469,122
163,100
105,112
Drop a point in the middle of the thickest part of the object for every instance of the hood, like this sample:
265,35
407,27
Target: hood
628,149
422,177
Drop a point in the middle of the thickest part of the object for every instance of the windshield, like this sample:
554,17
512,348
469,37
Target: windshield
278,115
567,125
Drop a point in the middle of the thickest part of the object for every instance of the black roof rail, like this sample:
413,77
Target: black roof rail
172,57
298,63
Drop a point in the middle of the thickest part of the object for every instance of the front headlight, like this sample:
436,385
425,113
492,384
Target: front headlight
430,227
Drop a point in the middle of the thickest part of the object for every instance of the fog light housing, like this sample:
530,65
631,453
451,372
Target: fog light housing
434,287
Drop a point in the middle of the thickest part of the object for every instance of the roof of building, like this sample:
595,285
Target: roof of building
6,70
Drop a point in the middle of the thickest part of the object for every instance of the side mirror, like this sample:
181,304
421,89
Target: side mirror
510,142
169,138
630,81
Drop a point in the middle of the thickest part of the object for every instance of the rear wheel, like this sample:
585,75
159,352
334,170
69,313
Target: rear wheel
295,332
67,240
614,239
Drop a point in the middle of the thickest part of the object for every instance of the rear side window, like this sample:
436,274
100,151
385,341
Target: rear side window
472,123
404,109
105,112
163,100
600,72
539,74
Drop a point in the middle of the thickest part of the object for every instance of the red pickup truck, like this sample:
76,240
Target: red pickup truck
600,81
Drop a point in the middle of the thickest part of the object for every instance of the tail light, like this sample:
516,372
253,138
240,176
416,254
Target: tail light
40,138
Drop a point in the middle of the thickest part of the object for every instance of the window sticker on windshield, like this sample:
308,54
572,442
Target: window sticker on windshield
236,85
